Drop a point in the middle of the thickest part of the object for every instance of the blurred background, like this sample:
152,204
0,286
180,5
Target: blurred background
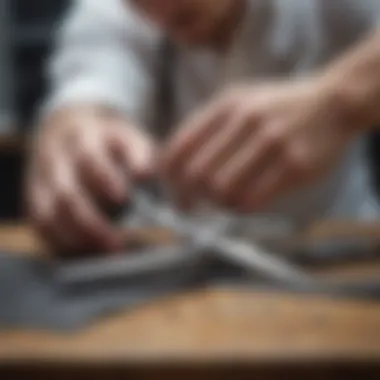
27,31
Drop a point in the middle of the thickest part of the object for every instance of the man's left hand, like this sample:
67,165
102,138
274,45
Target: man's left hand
256,143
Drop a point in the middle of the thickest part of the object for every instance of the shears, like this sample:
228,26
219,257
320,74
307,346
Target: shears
205,237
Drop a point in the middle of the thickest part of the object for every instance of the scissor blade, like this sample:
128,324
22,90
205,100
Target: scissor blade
211,238
124,265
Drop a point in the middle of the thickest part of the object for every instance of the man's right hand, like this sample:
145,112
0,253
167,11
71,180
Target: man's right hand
84,158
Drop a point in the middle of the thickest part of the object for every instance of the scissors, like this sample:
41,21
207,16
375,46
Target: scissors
209,238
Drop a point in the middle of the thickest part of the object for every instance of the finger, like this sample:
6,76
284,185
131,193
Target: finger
264,190
44,157
99,173
135,152
62,235
44,218
39,197
218,151
192,136
38,200
80,220
39,204
77,212
258,153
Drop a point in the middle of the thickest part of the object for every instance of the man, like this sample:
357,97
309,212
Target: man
271,100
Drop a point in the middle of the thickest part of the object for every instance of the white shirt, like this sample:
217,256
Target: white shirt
108,53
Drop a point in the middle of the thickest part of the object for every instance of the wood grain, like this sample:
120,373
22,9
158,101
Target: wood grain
208,325
214,325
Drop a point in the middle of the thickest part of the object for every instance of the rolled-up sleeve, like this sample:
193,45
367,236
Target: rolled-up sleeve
104,55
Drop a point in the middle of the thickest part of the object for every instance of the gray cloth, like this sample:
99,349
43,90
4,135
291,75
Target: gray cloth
31,297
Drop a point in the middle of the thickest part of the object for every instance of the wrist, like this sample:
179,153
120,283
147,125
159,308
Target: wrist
352,100
79,111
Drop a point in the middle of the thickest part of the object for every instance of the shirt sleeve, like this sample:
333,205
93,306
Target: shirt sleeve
311,33
368,10
104,55
350,18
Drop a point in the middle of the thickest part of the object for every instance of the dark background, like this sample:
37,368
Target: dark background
34,23
33,26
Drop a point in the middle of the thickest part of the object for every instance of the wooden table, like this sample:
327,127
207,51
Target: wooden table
265,332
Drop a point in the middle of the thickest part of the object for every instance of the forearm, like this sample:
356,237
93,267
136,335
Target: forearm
353,82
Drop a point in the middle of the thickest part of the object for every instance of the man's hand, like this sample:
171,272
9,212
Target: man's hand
256,143
82,159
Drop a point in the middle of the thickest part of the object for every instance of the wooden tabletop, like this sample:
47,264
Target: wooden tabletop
208,325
